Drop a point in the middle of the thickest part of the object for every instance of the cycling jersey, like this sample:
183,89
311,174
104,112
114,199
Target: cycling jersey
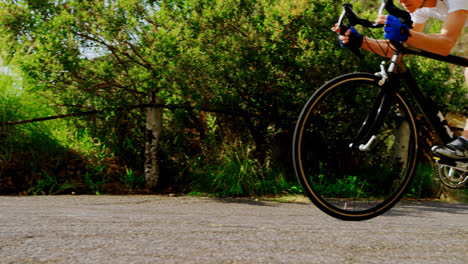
442,9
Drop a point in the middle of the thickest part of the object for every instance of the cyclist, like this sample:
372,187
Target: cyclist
454,13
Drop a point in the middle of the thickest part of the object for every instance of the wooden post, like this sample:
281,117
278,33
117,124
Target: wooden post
401,143
154,121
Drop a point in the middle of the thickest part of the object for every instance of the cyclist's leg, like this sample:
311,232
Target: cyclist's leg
457,149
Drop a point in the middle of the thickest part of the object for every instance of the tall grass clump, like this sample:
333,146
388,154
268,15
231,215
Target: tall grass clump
236,173
421,185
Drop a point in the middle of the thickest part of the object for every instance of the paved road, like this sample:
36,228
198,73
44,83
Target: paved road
161,229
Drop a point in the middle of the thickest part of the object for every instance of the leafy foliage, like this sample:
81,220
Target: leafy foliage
230,72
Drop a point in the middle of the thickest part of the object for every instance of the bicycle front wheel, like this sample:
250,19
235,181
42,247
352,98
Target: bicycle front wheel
346,182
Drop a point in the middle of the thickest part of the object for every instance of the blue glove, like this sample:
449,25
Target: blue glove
355,40
395,30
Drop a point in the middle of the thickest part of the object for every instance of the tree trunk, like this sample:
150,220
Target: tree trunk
154,121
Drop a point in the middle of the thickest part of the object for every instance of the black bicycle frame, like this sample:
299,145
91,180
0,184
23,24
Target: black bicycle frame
386,98
428,107
389,84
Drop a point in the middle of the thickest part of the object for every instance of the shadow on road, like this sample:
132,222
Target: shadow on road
403,208
249,201
410,208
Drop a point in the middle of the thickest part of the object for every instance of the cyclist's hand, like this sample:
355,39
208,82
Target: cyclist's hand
394,29
350,39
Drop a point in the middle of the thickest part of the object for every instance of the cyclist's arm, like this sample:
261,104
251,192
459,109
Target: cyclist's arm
378,46
418,27
466,79
383,47
441,43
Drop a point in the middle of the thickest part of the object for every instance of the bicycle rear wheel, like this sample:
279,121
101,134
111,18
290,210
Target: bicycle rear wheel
345,182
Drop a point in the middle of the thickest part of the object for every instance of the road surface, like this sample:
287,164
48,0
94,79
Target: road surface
162,229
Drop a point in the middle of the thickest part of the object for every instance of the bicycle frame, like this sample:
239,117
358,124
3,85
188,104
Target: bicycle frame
389,83
428,107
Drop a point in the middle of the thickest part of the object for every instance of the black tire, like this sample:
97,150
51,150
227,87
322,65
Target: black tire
345,182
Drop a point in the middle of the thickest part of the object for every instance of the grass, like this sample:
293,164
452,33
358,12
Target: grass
235,173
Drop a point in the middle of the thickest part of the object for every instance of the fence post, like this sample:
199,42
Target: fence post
154,121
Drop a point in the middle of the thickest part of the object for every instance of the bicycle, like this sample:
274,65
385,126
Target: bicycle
356,141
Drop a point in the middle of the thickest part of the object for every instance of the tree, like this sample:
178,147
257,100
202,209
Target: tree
59,37
239,57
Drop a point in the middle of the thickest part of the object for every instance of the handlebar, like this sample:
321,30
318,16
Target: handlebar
388,5
354,19
403,15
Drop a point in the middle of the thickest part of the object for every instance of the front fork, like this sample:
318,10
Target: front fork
366,134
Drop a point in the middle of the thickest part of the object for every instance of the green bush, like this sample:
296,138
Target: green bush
227,70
